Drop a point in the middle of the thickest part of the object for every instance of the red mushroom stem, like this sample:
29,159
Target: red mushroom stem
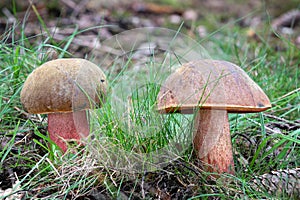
64,127
215,155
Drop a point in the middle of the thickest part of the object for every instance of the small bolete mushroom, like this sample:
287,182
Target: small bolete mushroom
212,88
64,89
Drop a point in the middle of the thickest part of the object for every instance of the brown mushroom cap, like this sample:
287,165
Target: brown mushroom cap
211,84
64,85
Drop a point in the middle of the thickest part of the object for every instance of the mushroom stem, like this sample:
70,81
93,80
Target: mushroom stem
212,141
70,126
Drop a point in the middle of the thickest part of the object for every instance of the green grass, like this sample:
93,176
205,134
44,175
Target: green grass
128,133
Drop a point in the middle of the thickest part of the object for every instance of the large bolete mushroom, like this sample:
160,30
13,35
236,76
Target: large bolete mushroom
64,89
212,88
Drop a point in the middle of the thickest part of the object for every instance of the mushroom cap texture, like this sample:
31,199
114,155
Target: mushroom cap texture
64,85
211,84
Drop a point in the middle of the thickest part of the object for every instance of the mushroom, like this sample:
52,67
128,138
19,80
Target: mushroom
212,89
64,89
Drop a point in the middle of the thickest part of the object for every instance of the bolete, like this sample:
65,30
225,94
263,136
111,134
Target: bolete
212,89
64,89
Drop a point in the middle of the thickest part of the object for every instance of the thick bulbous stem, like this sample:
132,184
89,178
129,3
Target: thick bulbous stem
212,141
64,127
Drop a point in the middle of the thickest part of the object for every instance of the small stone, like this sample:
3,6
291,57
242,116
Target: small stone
175,19
190,15
287,31
202,32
